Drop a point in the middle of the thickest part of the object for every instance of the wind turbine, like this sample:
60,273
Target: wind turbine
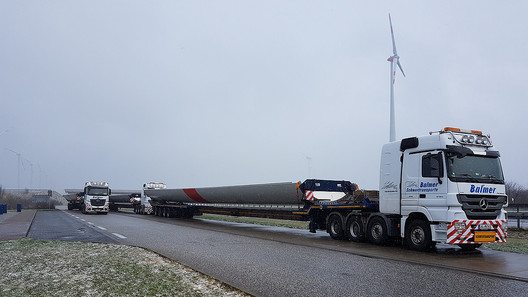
18,175
394,59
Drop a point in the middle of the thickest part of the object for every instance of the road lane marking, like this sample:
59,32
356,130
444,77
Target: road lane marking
102,228
90,223
83,220
119,235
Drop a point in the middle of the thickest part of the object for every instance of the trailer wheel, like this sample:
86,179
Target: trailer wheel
354,229
418,235
335,227
377,231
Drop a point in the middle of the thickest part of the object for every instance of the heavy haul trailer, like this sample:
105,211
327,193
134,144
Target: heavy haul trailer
74,200
276,200
117,201
447,187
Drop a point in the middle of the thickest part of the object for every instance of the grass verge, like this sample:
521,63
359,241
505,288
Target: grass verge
59,268
258,221
517,242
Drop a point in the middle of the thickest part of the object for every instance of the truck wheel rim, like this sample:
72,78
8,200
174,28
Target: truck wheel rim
354,229
377,231
417,236
335,228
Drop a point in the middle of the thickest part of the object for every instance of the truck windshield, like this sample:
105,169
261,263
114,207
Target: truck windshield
98,191
473,168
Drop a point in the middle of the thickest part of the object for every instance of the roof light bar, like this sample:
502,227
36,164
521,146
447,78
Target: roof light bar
462,130
153,185
96,184
471,137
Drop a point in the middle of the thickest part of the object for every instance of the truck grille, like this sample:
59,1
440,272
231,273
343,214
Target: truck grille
481,206
97,202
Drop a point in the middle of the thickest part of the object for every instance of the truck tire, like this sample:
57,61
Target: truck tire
354,229
418,235
335,227
377,231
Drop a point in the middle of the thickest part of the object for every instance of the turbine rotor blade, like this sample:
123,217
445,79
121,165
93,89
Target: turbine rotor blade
399,65
392,35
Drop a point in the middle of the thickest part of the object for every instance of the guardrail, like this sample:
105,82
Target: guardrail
518,214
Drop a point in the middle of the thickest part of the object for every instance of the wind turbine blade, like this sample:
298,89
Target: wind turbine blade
399,65
392,35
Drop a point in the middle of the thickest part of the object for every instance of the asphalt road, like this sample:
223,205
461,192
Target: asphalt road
270,261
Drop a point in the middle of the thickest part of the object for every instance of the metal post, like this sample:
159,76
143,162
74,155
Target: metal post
518,218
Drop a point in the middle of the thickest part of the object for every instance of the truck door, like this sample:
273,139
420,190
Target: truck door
410,182
433,185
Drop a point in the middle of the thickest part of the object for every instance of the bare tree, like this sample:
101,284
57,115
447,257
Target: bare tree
516,193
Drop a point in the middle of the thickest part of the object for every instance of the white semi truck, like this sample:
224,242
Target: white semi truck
142,204
96,197
447,187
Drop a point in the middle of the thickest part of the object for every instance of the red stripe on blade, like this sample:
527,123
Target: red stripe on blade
194,195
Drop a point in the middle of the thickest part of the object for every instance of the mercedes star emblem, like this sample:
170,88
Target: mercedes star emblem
483,204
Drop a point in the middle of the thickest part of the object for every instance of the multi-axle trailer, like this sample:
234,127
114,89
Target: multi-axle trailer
447,187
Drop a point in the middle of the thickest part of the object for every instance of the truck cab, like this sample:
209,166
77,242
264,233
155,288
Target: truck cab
447,187
96,197
145,207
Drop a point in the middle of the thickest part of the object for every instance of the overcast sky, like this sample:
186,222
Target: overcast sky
211,93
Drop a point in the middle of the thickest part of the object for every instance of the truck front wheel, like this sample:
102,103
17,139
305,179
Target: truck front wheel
354,229
335,227
418,235
377,231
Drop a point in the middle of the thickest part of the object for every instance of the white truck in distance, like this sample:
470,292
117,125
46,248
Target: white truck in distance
96,197
142,205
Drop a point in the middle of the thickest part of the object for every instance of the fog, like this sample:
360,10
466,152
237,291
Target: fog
211,93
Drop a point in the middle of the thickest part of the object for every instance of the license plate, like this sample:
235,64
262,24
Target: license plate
484,236
485,226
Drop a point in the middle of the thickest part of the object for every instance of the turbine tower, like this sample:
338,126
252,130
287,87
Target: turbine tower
394,60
